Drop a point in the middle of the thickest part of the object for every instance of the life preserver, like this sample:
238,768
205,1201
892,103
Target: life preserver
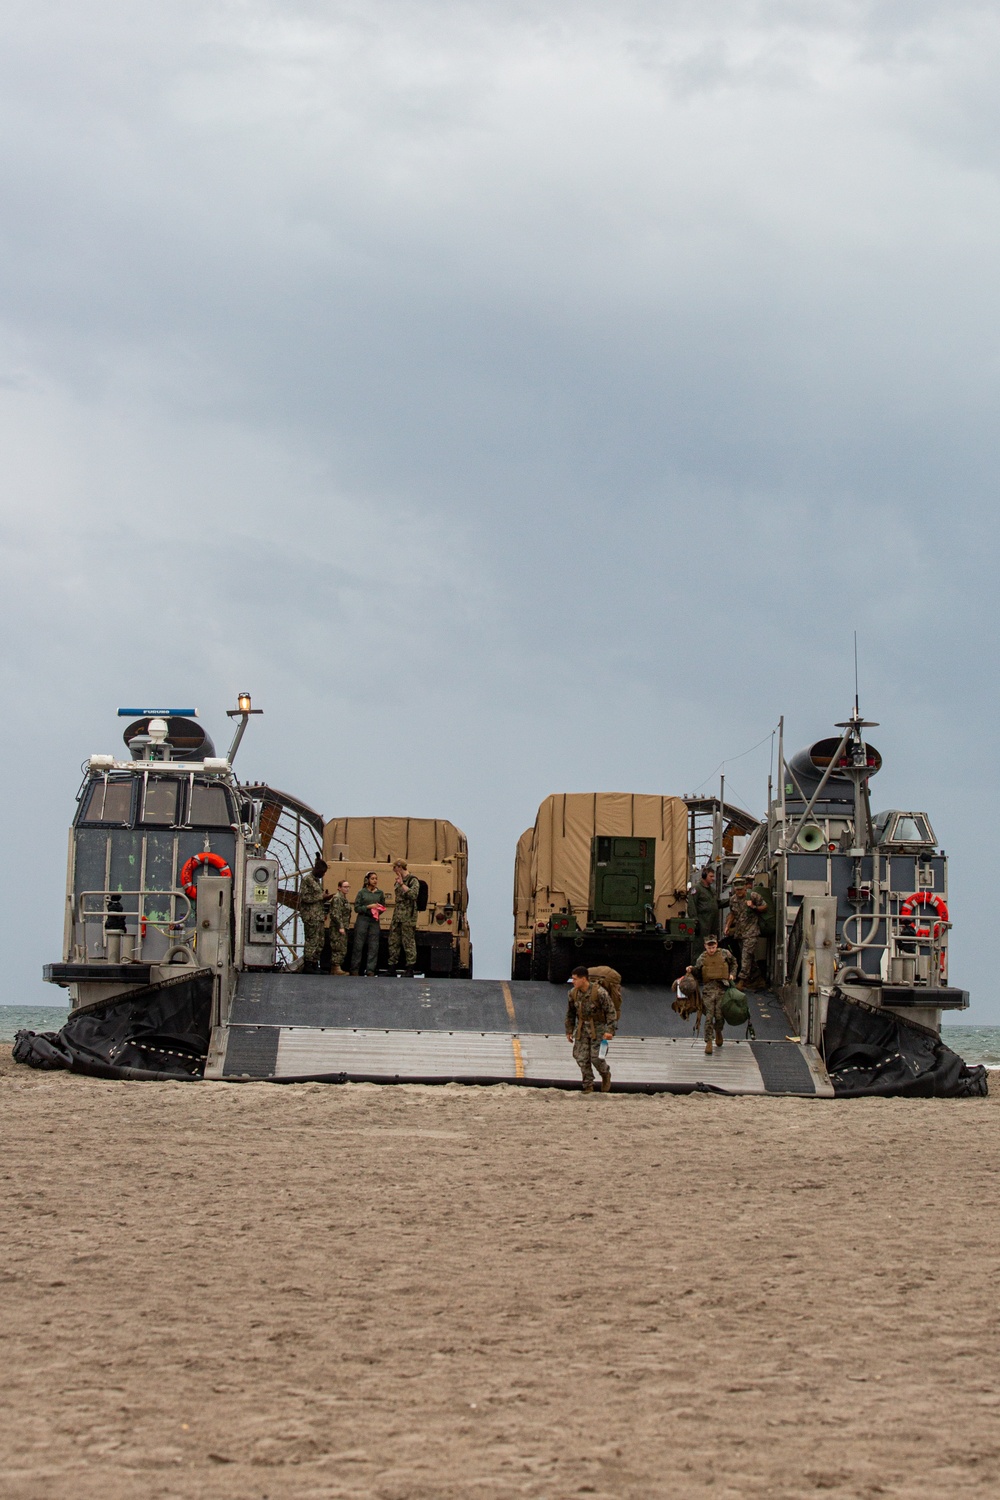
187,874
925,898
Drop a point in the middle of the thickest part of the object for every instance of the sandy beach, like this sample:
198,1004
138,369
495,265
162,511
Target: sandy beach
254,1291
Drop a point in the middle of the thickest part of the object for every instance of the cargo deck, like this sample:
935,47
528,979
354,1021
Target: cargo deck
288,1027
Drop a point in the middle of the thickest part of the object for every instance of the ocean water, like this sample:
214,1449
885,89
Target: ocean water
977,1044
30,1018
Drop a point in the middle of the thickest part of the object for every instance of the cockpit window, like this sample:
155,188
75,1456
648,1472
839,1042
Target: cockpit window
159,804
209,807
895,827
910,830
109,802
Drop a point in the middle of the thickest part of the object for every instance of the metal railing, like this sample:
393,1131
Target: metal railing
137,919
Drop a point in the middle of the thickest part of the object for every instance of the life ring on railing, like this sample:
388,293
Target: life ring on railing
924,898
187,873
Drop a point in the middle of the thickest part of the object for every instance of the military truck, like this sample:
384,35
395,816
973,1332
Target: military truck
602,878
437,853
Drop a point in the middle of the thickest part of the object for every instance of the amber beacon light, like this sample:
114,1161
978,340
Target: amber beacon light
242,711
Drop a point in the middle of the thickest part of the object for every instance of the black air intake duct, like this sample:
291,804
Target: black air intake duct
808,766
186,738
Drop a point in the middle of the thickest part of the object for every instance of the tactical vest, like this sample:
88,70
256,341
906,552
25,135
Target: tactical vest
714,966
590,1011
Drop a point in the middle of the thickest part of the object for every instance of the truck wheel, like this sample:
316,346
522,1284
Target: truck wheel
520,966
562,958
540,956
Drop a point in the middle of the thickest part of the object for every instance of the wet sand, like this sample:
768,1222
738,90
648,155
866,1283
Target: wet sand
249,1291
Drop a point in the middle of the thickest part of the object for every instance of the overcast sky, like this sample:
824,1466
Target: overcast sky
516,398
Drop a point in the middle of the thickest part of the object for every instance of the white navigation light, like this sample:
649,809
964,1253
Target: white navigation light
244,702
157,729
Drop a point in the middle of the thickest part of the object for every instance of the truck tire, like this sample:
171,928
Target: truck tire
520,966
562,959
540,956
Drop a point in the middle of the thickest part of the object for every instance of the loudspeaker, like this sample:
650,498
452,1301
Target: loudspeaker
811,837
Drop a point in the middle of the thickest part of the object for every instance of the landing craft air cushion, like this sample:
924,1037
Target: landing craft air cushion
183,950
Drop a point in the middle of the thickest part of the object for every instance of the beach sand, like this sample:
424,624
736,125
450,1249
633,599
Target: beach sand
244,1291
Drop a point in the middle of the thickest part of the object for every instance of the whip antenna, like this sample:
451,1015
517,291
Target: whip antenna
856,674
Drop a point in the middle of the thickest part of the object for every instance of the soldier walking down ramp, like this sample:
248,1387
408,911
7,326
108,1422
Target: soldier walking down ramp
311,909
715,968
403,928
369,904
746,907
590,1020
340,926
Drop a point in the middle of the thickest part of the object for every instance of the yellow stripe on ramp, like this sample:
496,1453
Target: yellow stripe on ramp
508,1000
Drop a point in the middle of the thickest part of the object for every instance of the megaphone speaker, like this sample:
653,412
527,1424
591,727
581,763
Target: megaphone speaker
811,837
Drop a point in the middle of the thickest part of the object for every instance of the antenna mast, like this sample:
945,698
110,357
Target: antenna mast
857,714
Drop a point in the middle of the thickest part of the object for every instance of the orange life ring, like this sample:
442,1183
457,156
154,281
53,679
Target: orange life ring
187,873
925,898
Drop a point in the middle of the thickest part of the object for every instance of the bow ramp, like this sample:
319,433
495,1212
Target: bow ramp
295,1027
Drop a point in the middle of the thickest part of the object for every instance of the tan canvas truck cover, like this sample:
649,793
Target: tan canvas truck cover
422,842
561,849
523,920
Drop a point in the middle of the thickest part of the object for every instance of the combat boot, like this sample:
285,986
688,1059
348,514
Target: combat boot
337,970
588,1088
708,1044
606,1083
407,973
718,1034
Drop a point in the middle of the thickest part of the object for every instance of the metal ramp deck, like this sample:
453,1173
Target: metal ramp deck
295,1027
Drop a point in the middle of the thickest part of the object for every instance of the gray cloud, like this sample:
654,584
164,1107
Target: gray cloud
515,400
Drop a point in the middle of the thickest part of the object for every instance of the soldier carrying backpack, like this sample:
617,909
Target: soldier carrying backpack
716,970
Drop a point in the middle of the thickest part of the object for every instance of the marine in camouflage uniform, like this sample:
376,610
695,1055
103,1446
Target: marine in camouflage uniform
403,928
590,1019
312,911
340,926
746,907
714,970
